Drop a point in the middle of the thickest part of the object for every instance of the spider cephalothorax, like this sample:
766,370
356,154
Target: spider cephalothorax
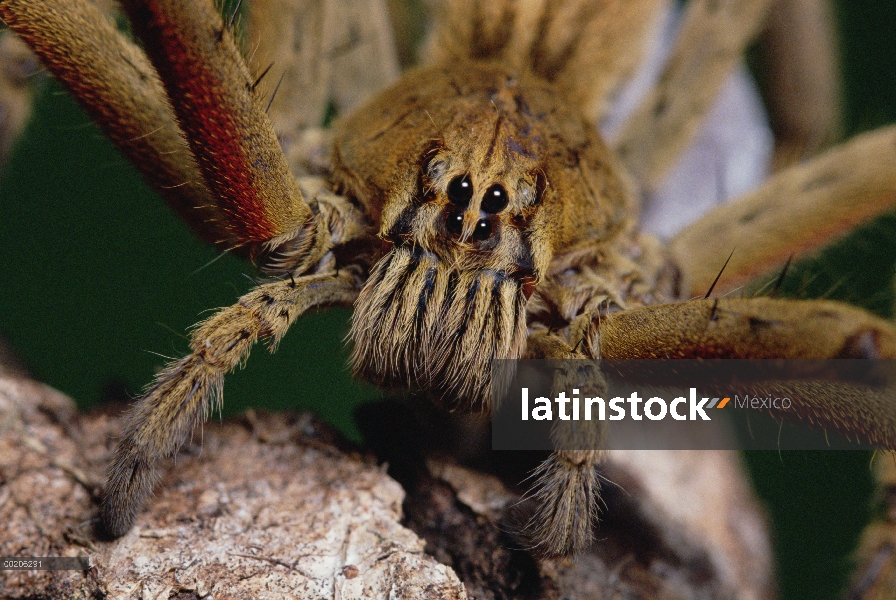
507,174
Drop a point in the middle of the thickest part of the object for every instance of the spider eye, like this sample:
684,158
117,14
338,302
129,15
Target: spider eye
483,230
495,199
460,191
454,222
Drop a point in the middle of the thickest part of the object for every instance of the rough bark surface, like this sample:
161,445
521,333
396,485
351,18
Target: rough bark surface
278,506
269,508
674,524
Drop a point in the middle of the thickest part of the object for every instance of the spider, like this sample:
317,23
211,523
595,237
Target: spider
469,212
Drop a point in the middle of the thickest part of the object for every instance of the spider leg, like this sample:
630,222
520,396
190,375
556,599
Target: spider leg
222,116
238,189
567,486
875,574
566,489
118,87
795,212
190,388
799,49
336,220
17,65
709,45
763,328
586,47
567,494
321,55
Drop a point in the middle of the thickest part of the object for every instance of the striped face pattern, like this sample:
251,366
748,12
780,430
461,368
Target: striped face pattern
470,223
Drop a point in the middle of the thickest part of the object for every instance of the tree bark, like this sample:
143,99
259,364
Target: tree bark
278,506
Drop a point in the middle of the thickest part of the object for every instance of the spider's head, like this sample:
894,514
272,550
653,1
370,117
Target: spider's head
476,180
450,295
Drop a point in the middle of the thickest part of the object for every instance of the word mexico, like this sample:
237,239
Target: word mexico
572,408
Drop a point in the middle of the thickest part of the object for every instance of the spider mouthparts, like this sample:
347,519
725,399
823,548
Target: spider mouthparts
423,324
527,283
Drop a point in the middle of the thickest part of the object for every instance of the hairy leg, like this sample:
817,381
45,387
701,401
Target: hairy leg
763,328
875,574
115,83
795,213
222,115
800,55
709,45
586,47
566,487
190,388
321,53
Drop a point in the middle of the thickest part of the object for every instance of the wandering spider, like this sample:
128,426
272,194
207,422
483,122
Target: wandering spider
441,185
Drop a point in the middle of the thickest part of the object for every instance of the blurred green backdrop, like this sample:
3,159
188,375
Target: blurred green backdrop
98,278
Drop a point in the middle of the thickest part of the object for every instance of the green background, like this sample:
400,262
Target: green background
98,278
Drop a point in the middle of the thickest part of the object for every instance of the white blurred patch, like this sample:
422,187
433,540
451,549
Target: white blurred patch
731,155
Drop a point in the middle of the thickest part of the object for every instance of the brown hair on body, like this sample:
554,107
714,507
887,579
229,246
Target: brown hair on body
507,174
